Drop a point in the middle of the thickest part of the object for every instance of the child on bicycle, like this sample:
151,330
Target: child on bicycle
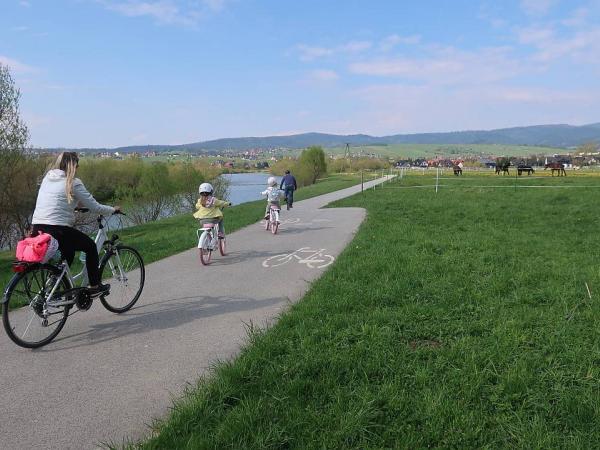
209,208
273,196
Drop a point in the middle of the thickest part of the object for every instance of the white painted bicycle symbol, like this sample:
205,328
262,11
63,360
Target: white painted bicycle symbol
314,259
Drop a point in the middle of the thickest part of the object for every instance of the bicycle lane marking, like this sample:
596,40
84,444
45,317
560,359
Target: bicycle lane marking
316,259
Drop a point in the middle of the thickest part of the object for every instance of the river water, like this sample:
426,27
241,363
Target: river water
246,187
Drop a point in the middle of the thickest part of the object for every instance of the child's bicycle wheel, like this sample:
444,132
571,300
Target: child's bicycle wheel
222,246
268,223
205,255
204,249
274,219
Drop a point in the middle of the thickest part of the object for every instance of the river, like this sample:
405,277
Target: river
246,187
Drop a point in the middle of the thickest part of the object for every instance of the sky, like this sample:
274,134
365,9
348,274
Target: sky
108,73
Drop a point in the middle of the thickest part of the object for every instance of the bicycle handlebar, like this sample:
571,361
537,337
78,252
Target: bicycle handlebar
84,210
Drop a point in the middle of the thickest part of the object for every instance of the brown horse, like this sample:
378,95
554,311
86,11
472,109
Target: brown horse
457,170
558,167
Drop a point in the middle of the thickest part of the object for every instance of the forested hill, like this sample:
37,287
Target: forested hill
559,136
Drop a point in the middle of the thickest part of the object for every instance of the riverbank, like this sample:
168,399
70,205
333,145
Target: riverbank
166,237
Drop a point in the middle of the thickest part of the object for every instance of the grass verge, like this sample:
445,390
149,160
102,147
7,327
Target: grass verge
453,320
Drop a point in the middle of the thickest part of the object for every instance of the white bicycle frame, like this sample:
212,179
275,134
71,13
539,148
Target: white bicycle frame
273,214
213,237
82,277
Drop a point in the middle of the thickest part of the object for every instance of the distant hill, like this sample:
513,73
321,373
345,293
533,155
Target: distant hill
559,136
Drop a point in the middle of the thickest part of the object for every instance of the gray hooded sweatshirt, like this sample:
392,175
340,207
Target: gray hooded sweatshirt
52,207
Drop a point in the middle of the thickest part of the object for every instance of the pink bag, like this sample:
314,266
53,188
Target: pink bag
36,249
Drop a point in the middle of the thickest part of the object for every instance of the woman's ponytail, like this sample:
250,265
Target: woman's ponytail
68,162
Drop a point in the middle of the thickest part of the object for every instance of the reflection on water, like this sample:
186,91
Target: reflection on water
246,187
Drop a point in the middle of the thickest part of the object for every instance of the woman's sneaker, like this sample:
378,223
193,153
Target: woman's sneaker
101,289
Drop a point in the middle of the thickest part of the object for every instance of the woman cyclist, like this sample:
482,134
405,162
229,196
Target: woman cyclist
59,195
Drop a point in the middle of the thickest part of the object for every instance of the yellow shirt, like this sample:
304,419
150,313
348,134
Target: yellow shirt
210,212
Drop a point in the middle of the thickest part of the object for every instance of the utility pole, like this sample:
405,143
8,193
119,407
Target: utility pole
347,155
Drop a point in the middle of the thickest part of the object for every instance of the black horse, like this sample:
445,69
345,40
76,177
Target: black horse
524,168
457,170
503,167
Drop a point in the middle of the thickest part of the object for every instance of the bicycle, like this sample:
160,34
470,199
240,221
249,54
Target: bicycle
40,296
272,222
208,242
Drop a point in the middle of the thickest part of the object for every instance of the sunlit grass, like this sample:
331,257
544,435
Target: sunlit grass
453,320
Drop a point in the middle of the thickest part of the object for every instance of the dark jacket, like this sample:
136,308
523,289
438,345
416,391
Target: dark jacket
289,182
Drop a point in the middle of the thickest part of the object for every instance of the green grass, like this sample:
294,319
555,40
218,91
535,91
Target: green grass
453,320
157,240
447,150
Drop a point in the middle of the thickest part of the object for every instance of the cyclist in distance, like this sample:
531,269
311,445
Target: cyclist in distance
290,186
273,195
60,193
209,207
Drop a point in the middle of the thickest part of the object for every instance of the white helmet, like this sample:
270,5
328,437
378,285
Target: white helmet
206,187
272,181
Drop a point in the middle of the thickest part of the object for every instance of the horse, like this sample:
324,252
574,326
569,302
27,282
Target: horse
524,168
457,170
558,167
503,168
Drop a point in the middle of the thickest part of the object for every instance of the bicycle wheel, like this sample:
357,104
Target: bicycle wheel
125,272
204,248
223,246
268,223
28,319
275,223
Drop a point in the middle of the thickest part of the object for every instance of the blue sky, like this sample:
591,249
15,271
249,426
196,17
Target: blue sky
98,73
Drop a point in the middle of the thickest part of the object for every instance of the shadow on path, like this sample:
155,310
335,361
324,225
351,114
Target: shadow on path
171,314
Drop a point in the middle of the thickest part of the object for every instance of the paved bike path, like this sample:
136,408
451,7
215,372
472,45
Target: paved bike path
106,376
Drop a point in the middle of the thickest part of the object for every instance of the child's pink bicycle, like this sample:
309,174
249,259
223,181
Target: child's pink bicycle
272,223
208,242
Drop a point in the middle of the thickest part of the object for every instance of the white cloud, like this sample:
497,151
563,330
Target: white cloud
171,12
537,7
577,18
446,66
310,53
162,11
324,75
581,46
389,42
15,65
215,5
354,47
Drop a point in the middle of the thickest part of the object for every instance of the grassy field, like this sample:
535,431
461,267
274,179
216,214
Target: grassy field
167,237
447,150
457,319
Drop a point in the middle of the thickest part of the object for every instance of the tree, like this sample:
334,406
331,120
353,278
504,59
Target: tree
13,139
587,148
312,160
